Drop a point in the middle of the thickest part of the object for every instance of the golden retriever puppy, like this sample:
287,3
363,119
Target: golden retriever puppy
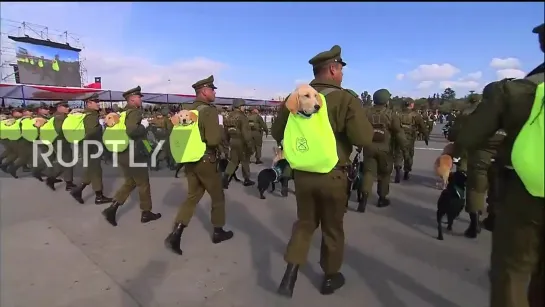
39,121
443,165
111,119
184,118
305,101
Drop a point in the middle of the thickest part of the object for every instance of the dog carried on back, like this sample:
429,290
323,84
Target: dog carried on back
270,176
452,200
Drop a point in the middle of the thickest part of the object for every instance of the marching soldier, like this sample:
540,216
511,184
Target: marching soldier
24,146
135,176
412,123
202,172
93,171
321,170
516,106
13,135
240,142
377,156
257,127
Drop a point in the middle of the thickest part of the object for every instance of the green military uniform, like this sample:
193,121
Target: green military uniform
134,176
517,241
203,175
456,126
412,123
93,171
430,122
257,127
321,198
38,169
23,148
479,162
66,154
377,156
161,126
10,147
240,142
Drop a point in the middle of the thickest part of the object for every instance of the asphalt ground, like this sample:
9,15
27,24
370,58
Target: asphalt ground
58,253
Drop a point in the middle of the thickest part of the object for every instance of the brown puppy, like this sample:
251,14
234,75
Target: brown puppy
39,121
111,119
443,164
184,118
304,100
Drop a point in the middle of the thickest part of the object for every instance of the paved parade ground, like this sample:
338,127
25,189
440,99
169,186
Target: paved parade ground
58,253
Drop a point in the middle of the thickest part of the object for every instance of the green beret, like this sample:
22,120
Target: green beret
381,97
133,91
238,102
94,97
208,82
330,56
539,29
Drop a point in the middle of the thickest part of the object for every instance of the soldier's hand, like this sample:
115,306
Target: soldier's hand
426,141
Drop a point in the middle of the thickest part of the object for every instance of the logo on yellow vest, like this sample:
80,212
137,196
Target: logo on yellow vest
302,145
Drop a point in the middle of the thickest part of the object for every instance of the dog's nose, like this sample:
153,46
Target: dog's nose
316,107
183,120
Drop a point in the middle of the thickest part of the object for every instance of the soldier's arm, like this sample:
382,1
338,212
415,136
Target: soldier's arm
263,125
135,130
279,124
59,119
480,125
358,128
421,126
397,132
212,129
93,129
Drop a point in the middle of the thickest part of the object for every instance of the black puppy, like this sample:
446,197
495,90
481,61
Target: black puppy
269,176
452,201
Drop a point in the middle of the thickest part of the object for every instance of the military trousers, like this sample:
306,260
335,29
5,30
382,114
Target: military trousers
60,167
92,174
24,153
257,138
478,165
238,155
9,153
134,178
494,187
517,243
403,157
203,176
321,201
377,163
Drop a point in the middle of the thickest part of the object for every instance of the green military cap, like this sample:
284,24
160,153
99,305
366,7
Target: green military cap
407,101
381,96
18,109
332,55
94,97
62,103
238,102
539,29
208,82
41,106
133,91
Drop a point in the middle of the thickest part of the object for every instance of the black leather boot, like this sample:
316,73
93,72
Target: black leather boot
12,170
489,221
219,235
332,283
383,202
100,199
148,216
398,174
473,230
174,239
258,161
110,212
288,281
37,175
50,182
69,186
248,182
363,203
406,175
225,181
77,191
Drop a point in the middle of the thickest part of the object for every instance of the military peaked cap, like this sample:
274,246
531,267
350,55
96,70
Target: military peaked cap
208,82
133,91
330,56
94,97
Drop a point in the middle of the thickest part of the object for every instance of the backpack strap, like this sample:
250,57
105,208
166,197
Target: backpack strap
328,91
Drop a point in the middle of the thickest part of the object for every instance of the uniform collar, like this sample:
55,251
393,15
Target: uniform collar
324,83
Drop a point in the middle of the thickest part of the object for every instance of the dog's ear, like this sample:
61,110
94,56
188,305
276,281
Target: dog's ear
292,103
175,119
194,117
